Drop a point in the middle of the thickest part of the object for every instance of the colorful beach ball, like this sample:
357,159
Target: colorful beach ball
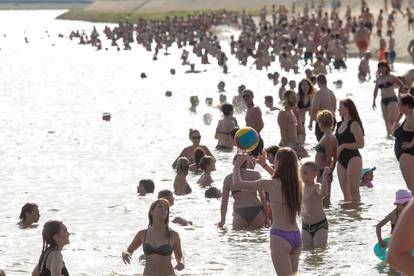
246,139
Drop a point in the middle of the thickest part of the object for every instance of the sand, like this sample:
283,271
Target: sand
115,10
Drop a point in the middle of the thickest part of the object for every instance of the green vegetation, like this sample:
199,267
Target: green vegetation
114,17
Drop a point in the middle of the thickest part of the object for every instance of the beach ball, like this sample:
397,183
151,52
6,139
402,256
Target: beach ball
246,139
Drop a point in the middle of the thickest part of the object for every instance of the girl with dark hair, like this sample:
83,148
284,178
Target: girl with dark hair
28,215
350,137
189,151
55,236
404,140
386,83
305,93
285,191
158,242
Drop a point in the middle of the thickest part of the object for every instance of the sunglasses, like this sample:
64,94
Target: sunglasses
196,137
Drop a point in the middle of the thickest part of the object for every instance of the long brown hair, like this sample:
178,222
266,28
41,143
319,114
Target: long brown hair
50,228
353,112
167,219
288,172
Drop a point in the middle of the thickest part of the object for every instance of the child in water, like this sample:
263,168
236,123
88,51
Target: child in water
181,186
207,165
402,198
314,222
367,176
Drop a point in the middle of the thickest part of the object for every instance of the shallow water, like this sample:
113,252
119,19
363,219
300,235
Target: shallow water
56,151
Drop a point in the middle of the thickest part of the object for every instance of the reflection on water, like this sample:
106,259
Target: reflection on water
56,151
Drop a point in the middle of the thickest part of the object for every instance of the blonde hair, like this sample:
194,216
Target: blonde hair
325,119
183,165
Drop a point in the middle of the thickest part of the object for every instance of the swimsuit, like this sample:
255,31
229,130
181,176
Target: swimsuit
163,250
384,84
247,213
344,138
386,101
292,237
46,272
362,44
401,136
313,228
301,105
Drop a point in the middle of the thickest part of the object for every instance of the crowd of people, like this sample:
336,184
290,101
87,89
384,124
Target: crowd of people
319,40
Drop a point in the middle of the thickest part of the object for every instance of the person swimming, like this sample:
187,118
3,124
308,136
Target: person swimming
145,186
29,215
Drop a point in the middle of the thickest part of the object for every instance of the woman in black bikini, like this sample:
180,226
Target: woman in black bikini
305,92
350,137
55,236
248,211
386,82
158,242
404,140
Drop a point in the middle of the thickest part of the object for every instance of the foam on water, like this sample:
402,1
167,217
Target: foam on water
56,151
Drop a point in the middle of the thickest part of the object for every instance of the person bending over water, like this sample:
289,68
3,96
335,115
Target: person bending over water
285,192
188,152
207,165
400,255
314,222
55,236
248,212
402,198
350,138
28,215
169,196
404,140
158,242
389,100
224,128
181,186
326,150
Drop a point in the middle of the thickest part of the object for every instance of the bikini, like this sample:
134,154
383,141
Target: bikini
344,138
313,228
301,105
292,237
220,147
163,250
386,101
247,213
46,272
402,136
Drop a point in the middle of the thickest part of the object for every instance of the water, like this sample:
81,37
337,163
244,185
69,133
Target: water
56,151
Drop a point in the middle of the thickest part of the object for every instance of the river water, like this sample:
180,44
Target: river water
56,151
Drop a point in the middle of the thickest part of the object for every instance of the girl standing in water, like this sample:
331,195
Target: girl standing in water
158,241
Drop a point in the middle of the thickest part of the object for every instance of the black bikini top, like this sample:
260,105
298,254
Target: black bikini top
320,149
384,84
46,272
346,136
163,250
403,135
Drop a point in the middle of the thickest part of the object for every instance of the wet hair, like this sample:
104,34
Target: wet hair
312,165
167,219
50,228
325,118
272,150
212,192
248,91
300,90
384,63
287,172
164,193
268,99
321,79
148,185
227,109
287,94
182,165
191,131
353,112
407,100
199,153
205,161
27,208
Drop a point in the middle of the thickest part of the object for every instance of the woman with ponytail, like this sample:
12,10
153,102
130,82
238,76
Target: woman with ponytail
285,192
158,242
55,237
